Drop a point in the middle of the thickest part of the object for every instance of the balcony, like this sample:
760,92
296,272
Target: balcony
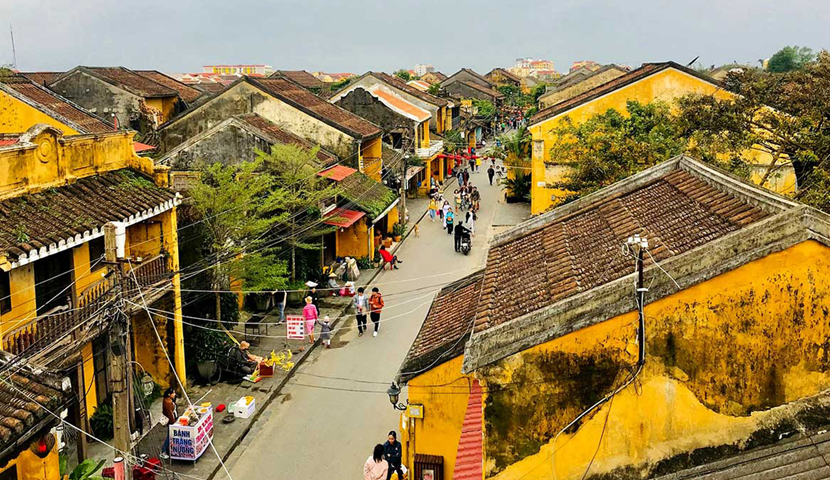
44,333
434,149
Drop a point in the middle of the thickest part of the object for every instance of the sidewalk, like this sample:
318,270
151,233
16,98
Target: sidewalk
227,436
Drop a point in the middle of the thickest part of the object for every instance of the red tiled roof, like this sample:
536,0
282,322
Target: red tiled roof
337,172
302,77
285,137
396,82
341,217
188,93
142,147
469,459
580,250
5,143
646,70
489,91
31,222
42,78
210,87
300,98
447,324
132,82
56,106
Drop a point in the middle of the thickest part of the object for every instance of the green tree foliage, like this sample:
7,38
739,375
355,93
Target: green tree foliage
484,108
434,89
784,115
515,148
232,201
611,146
336,86
403,75
454,141
517,186
298,193
513,96
790,58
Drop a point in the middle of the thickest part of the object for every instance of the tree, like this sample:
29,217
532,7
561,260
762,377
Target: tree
783,115
790,58
434,89
454,141
231,199
515,148
298,195
403,75
484,108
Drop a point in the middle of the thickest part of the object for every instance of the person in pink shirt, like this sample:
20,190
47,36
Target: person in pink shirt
310,315
376,467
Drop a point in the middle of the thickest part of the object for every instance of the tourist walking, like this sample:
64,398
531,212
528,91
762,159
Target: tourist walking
471,222
491,172
450,218
433,206
376,467
475,197
446,208
361,308
325,331
310,315
376,306
392,451
457,196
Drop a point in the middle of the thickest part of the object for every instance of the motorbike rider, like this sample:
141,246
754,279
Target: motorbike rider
460,232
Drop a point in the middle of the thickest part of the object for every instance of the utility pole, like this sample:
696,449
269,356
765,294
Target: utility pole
14,52
640,246
120,367
404,184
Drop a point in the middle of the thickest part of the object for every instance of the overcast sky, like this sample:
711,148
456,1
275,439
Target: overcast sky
358,35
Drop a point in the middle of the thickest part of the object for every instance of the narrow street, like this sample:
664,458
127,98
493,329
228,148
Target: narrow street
335,409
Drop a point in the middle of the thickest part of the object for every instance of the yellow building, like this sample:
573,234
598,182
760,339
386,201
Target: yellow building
735,334
651,82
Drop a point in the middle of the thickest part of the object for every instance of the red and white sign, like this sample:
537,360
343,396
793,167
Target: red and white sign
295,324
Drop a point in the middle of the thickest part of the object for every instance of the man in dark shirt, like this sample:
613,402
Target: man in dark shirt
392,452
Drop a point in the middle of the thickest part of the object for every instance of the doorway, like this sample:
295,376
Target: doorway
53,281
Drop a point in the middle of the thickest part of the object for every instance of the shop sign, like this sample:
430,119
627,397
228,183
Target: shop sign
295,326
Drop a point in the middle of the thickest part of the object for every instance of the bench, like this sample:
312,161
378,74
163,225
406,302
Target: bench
254,323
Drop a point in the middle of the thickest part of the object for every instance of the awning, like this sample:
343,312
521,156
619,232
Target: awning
412,171
388,209
341,217
142,147
337,173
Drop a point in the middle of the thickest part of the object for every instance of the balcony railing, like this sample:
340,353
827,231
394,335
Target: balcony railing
434,149
44,331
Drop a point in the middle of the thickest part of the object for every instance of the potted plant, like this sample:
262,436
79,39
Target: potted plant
398,230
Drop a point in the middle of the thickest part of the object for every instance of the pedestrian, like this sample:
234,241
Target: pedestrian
475,197
478,165
460,176
466,177
457,196
376,468
315,297
445,209
392,452
450,218
491,172
325,331
433,207
471,222
361,307
376,306
472,164
310,314
282,298
168,408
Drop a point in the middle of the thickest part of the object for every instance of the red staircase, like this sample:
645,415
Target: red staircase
470,457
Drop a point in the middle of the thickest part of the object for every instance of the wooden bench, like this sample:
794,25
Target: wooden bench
254,323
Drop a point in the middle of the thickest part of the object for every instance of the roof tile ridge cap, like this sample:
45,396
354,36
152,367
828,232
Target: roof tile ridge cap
627,184
726,182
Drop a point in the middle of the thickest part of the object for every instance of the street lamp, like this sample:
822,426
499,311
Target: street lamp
394,393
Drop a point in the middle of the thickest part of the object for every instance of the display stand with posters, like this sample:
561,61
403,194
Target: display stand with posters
189,442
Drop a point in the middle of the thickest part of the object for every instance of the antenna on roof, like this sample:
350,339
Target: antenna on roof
693,61
14,52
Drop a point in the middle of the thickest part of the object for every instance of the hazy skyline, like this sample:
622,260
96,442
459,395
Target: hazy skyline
183,35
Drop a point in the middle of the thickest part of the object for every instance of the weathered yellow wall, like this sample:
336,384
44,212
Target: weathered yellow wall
17,117
22,286
148,352
370,151
145,238
392,217
721,356
30,467
90,393
353,241
444,409
167,107
51,160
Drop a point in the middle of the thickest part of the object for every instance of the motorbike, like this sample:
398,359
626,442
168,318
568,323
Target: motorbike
466,243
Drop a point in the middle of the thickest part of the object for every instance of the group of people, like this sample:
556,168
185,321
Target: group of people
385,460
363,304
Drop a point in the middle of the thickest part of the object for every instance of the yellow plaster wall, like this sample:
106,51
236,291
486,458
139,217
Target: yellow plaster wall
370,150
724,358
393,217
444,409
353,241
90,393
22,286
30,467
17,117
167,107
51,160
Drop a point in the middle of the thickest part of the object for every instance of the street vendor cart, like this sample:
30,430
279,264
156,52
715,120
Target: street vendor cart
191,435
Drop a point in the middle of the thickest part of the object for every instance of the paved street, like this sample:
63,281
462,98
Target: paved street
323,427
